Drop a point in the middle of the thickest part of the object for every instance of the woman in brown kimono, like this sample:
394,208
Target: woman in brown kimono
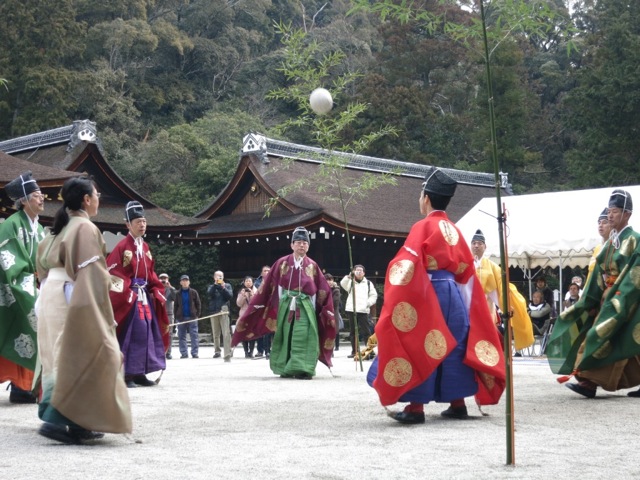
83,389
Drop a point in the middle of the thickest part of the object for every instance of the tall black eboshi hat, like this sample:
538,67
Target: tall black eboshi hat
439,183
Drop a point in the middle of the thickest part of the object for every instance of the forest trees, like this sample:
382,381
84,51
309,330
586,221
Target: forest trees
173,85
604,107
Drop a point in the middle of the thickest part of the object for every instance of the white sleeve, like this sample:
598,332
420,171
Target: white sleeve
466,291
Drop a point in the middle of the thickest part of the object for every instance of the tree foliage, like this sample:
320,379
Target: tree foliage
155,75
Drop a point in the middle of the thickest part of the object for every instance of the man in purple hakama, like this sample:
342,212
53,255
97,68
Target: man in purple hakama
137,296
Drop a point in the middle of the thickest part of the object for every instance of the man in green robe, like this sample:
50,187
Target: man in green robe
295,303
598,338
20,235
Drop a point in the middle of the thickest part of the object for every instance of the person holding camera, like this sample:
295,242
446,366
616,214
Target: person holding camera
244,297
365,297
219,295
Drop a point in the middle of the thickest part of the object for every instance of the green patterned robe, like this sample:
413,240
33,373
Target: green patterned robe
598,338
18,290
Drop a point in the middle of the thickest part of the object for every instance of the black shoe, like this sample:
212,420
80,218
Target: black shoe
217,355
408,418
258,355
351,355
195,356
184,356
59,433
143,381
168,356
18,395
131,384
303,376
635,394
517,354
576,387
455,412
83,434
267,356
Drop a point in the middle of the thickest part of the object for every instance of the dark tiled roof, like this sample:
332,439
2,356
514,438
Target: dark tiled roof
390,210
54,136
233,225
11,167
76,147
373,164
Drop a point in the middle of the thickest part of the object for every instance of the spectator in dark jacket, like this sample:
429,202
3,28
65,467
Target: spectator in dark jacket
187,307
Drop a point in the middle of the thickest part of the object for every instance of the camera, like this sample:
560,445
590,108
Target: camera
247,290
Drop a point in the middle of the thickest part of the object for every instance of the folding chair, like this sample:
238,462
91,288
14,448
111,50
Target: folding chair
540,338
546,334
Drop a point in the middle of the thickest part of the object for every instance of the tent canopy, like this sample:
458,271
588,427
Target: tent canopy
556,229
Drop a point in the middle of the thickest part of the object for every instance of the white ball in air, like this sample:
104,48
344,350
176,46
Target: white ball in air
321,101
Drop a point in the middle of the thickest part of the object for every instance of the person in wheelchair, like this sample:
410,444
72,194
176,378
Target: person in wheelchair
540,312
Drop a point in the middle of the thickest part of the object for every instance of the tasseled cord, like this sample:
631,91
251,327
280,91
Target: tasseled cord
566,378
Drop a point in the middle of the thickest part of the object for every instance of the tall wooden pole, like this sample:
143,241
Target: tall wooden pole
503,256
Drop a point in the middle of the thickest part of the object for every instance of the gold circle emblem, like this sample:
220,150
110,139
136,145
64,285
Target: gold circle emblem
432,264
284,268
435,344
449,232
397,372
628,246
461,268
487,353
488,380
635,276
322,296
636,333
310,270
603,351
401,272
616,304
605,328
272,324
404,317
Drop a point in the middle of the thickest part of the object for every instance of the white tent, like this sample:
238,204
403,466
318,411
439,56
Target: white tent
556,229
545,229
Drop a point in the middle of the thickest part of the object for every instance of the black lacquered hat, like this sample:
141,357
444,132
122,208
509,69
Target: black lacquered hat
21,187
302,234
439,183
478,237
621,199
133,210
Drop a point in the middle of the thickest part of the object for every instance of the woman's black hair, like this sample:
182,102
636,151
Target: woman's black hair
73,192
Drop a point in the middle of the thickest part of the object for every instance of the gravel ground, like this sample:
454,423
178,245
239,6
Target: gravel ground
213,420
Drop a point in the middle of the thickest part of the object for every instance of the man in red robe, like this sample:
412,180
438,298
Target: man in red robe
437,340
137,296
